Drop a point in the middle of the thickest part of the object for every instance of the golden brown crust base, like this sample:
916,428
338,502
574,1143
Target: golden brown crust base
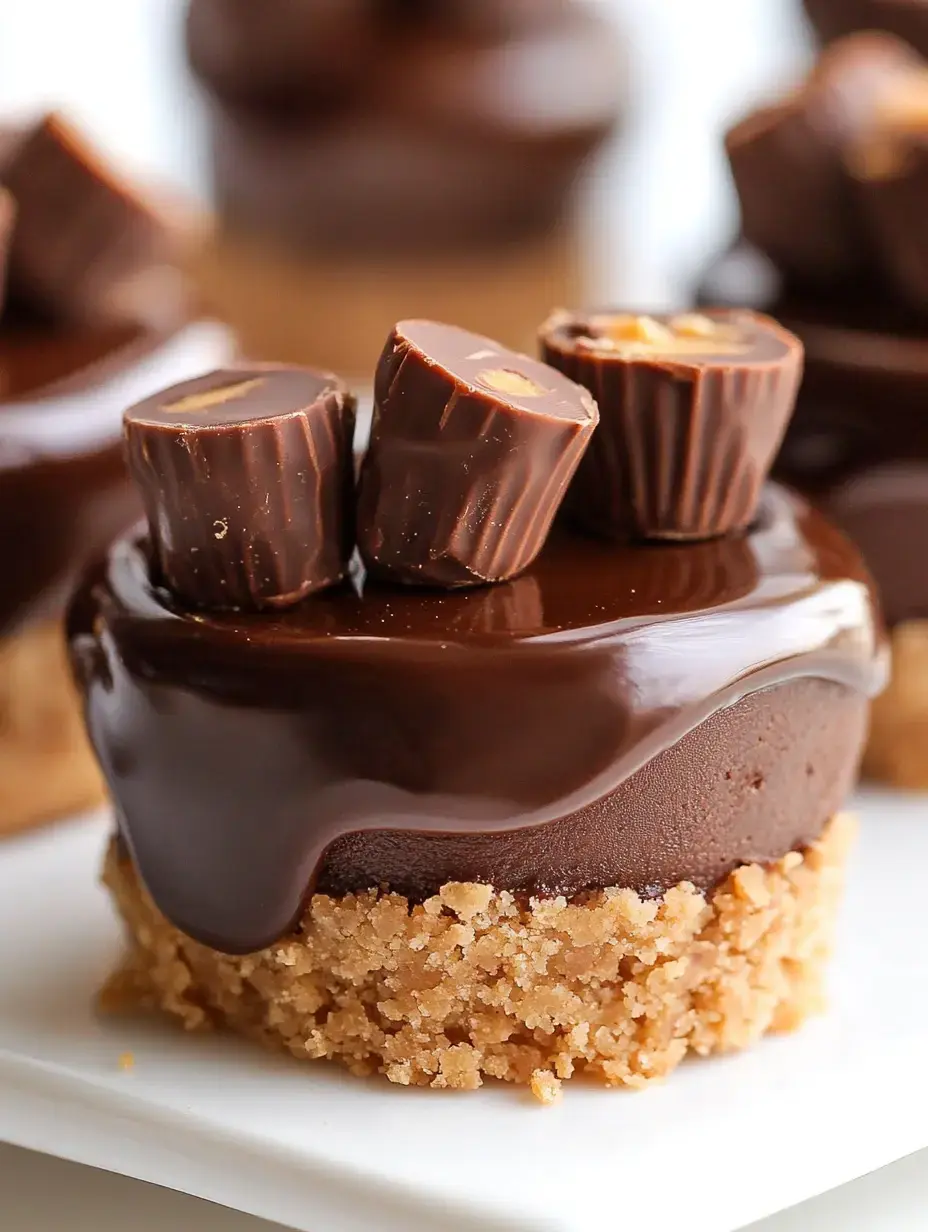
897,750
46,767
471,985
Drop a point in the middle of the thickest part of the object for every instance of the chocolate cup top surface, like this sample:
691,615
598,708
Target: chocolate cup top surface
376,735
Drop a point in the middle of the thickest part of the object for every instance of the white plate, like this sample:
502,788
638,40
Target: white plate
722,1143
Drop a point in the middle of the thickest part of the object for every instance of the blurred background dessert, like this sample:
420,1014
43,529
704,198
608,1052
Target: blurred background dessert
94,309
833,19
832,181
375,158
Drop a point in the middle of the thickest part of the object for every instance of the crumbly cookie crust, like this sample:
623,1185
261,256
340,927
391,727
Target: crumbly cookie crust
46,767
471,984
897,749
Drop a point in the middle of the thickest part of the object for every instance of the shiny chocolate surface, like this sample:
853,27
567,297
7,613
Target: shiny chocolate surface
614,716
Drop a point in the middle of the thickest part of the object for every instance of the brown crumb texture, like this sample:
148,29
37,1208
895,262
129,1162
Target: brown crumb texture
470,984
46,767
897,750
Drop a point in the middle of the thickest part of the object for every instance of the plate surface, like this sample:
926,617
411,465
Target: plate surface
722,1143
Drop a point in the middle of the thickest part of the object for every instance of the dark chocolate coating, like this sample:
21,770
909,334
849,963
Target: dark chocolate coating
798,202
63,495
685,439
615,716
907,19
81,235
247,476
858,441
463,476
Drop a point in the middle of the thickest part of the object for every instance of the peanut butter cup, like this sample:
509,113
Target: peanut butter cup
471,451
584,820
692,409
82,235
246,475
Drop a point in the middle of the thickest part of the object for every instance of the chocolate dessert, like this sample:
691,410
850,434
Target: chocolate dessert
907,19
370,155
356,125
74,343
586,818
856,444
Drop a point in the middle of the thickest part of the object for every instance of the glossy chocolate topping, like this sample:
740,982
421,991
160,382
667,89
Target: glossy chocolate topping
858,442
615,715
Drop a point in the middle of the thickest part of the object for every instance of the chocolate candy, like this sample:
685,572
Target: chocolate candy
692,408
81,235
472,448
858,442
246,477
889,162
7,214
787,161
907,19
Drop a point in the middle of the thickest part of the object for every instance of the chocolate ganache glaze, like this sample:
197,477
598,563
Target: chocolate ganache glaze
616,715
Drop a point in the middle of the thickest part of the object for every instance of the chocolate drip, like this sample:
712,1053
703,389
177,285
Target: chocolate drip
376,735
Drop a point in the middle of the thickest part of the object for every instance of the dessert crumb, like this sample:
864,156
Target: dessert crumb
126,1061
545,1087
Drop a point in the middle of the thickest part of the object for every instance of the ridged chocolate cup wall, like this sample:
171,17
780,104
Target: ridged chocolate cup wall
472,448
246,476
692,411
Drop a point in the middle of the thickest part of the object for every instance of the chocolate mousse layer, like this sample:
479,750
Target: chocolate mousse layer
614,716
